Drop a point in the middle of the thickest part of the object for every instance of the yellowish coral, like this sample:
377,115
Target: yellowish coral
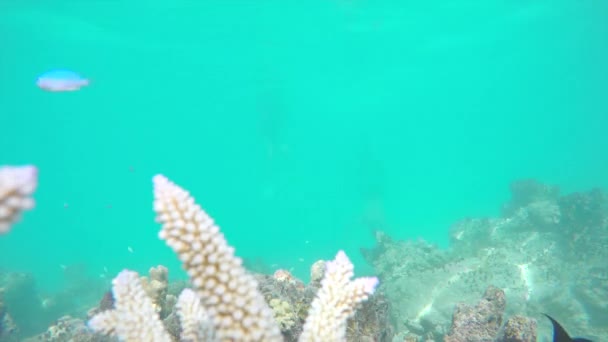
156,286
283,313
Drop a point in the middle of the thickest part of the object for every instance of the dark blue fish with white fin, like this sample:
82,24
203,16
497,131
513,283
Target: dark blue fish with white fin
560,334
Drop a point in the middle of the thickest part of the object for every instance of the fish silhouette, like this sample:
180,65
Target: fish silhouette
560,334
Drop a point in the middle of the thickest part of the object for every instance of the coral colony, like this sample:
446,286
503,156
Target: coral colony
224,303
224,293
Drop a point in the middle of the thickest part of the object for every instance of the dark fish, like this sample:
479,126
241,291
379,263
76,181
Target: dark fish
560,334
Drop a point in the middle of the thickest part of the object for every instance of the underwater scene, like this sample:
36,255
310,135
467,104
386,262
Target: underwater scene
323,170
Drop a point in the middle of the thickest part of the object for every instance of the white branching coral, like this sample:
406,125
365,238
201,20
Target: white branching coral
225,304
17,184
228,293
134,317
336,301
193,318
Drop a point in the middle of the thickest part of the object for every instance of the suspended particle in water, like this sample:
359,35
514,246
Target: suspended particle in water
61,80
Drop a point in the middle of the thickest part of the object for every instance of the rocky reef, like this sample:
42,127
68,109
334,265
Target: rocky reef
547,253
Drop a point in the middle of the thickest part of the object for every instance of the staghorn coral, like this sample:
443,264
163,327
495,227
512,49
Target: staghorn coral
336,301
229,294
370,322
193,318
226,304
236,307
134,317
17,184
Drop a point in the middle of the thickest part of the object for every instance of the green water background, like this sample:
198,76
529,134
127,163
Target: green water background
299,126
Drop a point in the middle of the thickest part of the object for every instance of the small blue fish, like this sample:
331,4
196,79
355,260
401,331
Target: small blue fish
61,80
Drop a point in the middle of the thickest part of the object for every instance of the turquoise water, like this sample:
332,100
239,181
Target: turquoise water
299,127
